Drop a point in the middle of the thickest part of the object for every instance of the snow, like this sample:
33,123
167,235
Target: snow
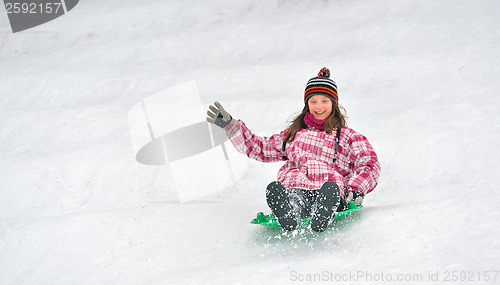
418,78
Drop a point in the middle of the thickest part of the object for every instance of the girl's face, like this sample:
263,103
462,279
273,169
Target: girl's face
320,106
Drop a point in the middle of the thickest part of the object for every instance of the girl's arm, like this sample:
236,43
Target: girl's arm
366,169
259,148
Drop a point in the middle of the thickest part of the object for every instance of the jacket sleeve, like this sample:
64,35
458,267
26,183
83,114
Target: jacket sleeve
259,148
366,167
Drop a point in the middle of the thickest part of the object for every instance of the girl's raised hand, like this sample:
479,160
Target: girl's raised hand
218,116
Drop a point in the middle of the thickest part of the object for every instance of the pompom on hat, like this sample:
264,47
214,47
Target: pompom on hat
322,85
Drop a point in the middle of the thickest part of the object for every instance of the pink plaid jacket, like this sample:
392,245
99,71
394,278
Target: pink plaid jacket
310,157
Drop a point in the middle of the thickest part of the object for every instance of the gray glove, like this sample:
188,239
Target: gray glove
355,196
218,116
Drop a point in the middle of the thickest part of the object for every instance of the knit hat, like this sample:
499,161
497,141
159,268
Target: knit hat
323,85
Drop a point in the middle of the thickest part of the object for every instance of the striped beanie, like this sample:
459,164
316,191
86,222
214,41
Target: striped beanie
323,85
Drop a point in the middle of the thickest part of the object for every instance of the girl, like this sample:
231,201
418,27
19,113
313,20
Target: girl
326,164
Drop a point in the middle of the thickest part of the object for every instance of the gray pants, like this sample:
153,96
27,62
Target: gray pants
304,202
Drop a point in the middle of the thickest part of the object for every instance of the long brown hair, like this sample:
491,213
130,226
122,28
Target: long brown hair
336,120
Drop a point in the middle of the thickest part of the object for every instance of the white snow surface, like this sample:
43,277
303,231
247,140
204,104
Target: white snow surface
418,78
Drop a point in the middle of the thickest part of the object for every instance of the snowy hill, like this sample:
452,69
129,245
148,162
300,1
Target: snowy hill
418,78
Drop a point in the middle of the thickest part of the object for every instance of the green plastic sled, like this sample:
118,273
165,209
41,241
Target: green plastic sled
270,220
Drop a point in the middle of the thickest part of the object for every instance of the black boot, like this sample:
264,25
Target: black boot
279,202
327,201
